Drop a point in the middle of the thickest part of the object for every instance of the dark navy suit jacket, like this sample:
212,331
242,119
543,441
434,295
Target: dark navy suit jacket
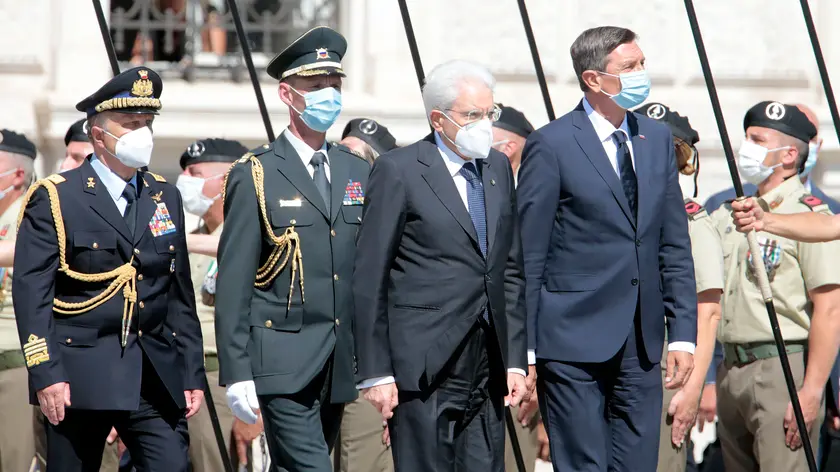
588,263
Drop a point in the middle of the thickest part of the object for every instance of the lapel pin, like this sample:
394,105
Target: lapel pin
91,183
492,181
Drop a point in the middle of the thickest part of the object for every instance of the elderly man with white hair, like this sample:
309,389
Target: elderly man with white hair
438,285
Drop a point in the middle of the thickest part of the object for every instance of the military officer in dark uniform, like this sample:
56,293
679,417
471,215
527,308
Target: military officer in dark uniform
104,301
284,307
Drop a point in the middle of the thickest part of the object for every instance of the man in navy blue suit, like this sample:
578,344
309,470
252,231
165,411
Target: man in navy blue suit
607,258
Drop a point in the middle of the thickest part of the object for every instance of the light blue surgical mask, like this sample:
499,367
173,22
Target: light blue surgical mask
813,149
322,108
635,88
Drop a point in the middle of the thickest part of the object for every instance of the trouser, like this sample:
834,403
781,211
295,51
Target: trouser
752,400
301,428
457,423
603,416
527,436
17,438
155,434
671,458
204,448
110,456
360,447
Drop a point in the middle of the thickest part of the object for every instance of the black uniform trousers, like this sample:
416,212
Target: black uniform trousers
155,434
301,428
457,424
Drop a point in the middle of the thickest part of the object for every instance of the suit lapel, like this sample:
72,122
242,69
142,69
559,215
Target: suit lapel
290,165
146,207
101,202
440,180
588,141
640,149
339,176
492,201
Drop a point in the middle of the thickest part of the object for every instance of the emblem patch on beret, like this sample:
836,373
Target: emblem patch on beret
1,137
196,149
368,126
85,127
775,111
322,53
142,87
656,111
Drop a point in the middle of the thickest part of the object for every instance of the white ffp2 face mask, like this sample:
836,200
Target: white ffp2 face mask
473,140
192,194
134,149
751,162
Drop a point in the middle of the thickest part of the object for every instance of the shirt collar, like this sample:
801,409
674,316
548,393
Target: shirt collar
113,182
304,151
603,128
787,188
453,161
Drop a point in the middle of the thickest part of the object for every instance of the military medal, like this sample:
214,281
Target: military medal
353,193
771,254
161,223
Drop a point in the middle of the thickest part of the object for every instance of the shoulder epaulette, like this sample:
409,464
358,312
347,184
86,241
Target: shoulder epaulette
244,158
346,149
693,209
157,177
812,202
261,150
56,179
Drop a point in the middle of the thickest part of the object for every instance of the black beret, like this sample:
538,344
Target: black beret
514,121
317,52
77,132
16,143
783,118
680,127
136,90
212,150
371,132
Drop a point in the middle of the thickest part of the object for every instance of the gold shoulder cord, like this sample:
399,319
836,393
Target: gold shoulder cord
285,246
121,277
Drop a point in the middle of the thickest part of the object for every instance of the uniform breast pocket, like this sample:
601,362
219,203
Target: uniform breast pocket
287,217
94,251
166,248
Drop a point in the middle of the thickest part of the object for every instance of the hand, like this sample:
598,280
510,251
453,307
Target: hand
383,398
53,400
747,215
112,436
194,398
243,435
516,389
680,365
683,410
242,400
810,402
542,443
529,406
708,406
386,434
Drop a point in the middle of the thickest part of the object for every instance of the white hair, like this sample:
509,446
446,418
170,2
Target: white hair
443,84
19,161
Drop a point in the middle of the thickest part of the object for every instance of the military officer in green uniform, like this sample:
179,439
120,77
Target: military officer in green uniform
205,163
17,437
755,420
679,407
284,304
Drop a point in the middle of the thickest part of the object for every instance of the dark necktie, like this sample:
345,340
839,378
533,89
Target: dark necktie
130,215
320,177
475,200
626,172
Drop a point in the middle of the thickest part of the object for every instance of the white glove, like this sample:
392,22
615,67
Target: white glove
242,400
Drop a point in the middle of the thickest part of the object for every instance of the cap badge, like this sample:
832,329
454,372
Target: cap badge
1,137
775,111
195,149
368,126
142,87
322,53
85,127
656,111
91,182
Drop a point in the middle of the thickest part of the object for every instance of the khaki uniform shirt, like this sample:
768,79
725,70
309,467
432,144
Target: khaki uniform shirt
706,248
793,268
9,340
204,269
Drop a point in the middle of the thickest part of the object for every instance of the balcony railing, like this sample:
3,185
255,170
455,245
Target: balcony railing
197,38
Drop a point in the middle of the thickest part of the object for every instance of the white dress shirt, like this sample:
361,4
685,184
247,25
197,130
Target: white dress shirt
604,129
305,152
113,183
454,163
